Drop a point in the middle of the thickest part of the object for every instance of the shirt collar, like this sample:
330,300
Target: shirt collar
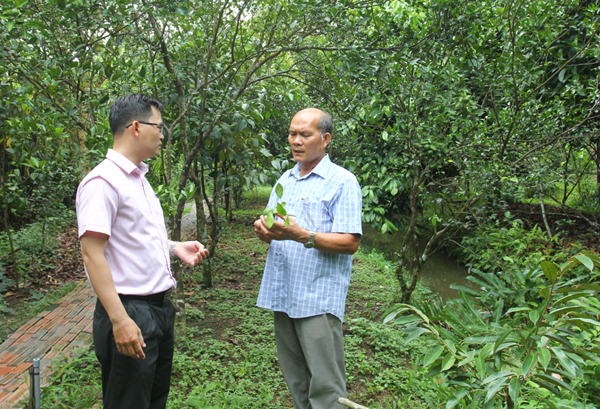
125,164
322,168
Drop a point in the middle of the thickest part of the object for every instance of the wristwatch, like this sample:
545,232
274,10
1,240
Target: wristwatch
311,241
172,248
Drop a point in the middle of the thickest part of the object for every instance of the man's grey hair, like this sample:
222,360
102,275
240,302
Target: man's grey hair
325,124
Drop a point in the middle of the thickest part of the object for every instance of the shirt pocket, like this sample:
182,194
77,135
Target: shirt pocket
310,215
316,216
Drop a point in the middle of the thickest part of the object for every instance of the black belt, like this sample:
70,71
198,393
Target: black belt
158,297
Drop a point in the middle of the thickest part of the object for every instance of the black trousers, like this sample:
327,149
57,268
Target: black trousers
129,383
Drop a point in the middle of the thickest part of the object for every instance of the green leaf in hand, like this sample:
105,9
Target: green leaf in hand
281,209
279,190
287,221
270,220
268,211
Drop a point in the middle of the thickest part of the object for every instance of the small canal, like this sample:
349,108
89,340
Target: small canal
438,273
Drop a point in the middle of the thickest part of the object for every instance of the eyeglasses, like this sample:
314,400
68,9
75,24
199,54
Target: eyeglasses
160,127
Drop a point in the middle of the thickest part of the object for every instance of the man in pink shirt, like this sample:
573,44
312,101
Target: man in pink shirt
126,254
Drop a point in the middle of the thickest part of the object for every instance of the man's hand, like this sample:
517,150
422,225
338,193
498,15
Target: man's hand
279,231
333,243
128,336
129,339
191,252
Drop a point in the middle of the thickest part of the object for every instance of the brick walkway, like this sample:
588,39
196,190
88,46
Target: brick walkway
62,327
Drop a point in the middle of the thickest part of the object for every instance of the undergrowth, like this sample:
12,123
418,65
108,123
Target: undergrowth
227,357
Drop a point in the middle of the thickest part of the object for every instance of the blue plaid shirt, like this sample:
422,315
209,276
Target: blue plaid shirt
306,282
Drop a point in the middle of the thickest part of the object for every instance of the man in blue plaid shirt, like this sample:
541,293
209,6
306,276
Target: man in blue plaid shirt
308,267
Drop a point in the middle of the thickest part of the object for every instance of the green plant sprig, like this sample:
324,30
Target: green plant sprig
270,212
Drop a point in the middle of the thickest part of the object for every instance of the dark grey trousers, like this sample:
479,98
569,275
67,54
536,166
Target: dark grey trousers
129,383
311,357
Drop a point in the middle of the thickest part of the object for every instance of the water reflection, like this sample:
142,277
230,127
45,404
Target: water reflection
438,273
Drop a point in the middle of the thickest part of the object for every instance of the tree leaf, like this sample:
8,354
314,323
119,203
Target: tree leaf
493,388
586,261
457,398
415,333
392,312
270,220
528,364
480,365
432,354
555,381
497,375
571,297
448,362
570,366
281,209
534,316
550,270
544,357
514,387
561,75
560,339
544,292
546,385
55,72
279,190
501,338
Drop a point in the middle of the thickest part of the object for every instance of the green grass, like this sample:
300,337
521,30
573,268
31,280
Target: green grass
260,193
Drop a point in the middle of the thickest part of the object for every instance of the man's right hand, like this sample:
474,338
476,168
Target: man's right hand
129,339
261,230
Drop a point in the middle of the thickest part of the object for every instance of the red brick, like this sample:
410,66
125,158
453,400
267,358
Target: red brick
8,378
16,334
52,315
76,329
89,328
7,343
53,354
3,395
19,394
24,338
8,357
22,367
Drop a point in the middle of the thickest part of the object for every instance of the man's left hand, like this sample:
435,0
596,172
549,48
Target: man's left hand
191,252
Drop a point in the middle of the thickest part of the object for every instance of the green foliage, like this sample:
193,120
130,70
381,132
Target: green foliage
511,247
534,340
280,210
34,246
75,382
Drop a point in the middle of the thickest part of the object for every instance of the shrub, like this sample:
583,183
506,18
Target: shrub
543,348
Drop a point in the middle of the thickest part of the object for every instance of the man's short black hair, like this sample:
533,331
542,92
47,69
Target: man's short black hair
325,124
131,107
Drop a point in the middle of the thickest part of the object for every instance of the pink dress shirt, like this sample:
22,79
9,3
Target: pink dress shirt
116,199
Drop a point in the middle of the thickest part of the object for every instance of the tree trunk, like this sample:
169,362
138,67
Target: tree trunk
544,212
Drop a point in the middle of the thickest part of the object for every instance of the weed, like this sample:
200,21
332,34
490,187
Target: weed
75,382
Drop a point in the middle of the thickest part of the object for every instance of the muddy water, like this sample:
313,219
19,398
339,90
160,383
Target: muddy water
438,273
